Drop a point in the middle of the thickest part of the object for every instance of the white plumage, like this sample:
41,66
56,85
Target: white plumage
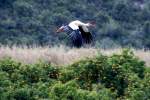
75,25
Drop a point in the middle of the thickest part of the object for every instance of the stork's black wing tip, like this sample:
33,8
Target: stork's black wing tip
87,37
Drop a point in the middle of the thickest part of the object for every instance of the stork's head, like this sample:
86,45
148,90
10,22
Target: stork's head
63,28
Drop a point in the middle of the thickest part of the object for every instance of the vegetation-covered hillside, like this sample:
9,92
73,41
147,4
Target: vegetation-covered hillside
118,22
116,77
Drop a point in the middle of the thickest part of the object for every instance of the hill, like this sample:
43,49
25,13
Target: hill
118,22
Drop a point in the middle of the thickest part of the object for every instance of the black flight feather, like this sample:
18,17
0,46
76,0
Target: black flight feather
87,36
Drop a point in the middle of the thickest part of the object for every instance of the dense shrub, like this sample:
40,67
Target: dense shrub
8,65
87,71
111,71
23,82
121,76
32,74
22,94
71,91
138,89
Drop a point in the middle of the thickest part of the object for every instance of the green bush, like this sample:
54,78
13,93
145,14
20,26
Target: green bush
39,72
121,76
5,85
31,73
8,65
86,71
138,89
22,94
111,71
71,91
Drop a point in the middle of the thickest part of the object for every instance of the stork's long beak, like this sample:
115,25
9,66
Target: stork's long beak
57,31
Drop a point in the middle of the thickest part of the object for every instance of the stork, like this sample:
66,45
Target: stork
78,32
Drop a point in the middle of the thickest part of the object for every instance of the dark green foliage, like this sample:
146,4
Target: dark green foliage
118,22
128,62
71,91
138,89
9,65
121,76
111,71
22,94
25,82
86,71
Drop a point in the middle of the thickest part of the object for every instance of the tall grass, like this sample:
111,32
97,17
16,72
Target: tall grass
60,55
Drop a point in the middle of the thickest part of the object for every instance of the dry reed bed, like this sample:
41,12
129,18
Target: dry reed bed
60,55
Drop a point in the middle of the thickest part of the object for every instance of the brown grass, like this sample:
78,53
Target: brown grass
60,55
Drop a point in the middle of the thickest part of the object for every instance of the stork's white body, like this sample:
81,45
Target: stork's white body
75,25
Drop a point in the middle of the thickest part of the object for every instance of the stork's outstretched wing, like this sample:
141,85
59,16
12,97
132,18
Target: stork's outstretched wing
76,38
86,35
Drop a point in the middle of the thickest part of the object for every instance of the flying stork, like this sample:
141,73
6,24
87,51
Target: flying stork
78,32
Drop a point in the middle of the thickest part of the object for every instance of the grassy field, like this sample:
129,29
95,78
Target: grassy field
61,55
